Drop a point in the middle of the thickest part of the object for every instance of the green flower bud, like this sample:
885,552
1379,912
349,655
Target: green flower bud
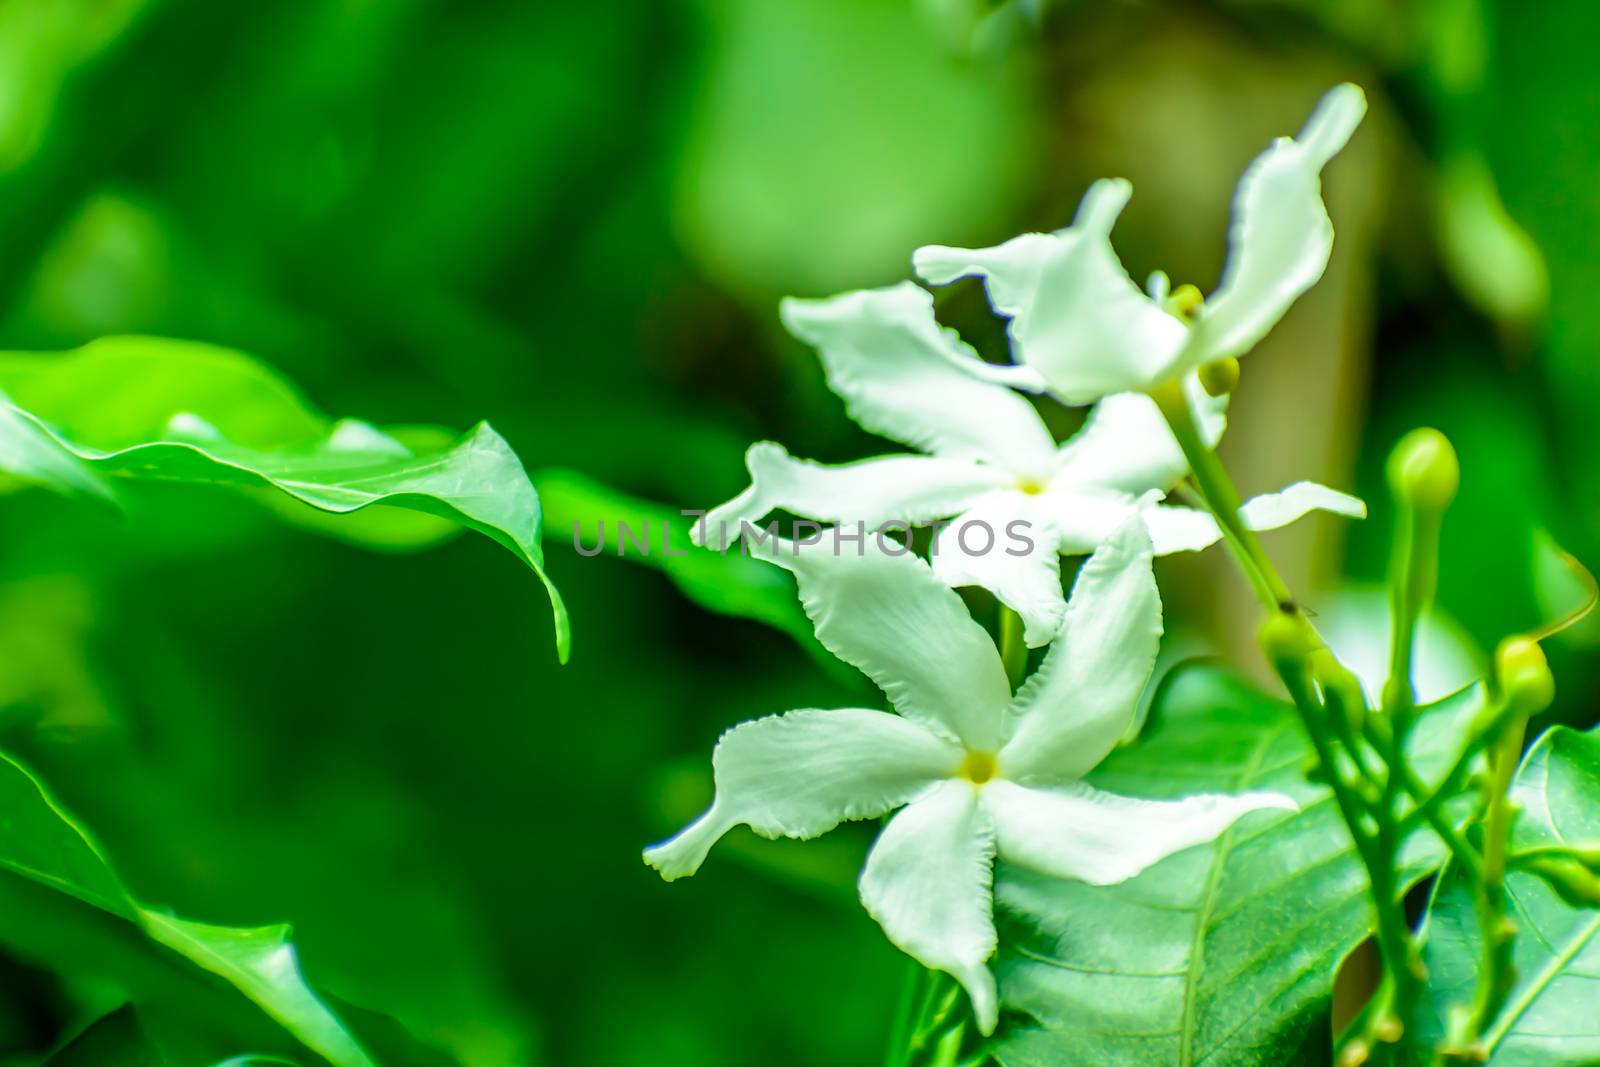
1356,1053
1423,470
1219,377
1286,638
1524,675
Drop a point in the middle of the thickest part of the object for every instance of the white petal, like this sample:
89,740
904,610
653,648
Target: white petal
1189,530
1077,705
1076,316
802,773
1126,444
1084,519
1010,375
900,375
1075,831
1281,236
1005,544
1180,529
905,489
886,613
1272,510
928,883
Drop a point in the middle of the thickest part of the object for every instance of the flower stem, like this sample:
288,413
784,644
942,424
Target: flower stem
1291,642
1013,649
1376,845
898,1052
1497,930
1405,606
921,1022
1216,491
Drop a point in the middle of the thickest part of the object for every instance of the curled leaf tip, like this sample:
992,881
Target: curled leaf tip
1591,597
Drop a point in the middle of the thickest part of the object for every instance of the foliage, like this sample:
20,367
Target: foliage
573,222
1557,786
146,409
1226,953
42,844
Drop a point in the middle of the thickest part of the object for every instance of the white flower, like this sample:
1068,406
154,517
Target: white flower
980,773
1082,329
992,462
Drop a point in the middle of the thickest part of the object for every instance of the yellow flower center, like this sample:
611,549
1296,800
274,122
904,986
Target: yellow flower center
1185,302
978,767
1031,486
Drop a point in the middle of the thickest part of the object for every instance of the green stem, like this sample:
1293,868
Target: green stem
1376,849
898,1052
1427,805
1378,845
1497,932
1404,608
1013,649
1426,808
1220,497
926,1002
1214,486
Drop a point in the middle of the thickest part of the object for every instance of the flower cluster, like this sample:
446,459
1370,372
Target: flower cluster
977,771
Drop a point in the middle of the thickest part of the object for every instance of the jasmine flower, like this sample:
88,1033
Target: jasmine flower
977,772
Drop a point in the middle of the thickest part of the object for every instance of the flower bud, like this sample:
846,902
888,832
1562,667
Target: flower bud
1286,638
1424,471
1220,376
1524,675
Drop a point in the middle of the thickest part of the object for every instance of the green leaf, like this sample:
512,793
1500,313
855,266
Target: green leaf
1223,954
121,1039
42,843
730,583
31,453
154,410
1550,1016
117,1040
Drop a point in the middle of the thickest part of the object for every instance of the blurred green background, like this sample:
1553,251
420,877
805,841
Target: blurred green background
575,220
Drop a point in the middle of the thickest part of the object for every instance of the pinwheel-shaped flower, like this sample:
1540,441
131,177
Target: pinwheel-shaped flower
980,773
1020,500
1082,329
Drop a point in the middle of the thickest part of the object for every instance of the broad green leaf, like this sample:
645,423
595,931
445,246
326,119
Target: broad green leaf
1550,1016
121,1039
1224,954
601,521
42,843
33,454
149,409
117,1040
